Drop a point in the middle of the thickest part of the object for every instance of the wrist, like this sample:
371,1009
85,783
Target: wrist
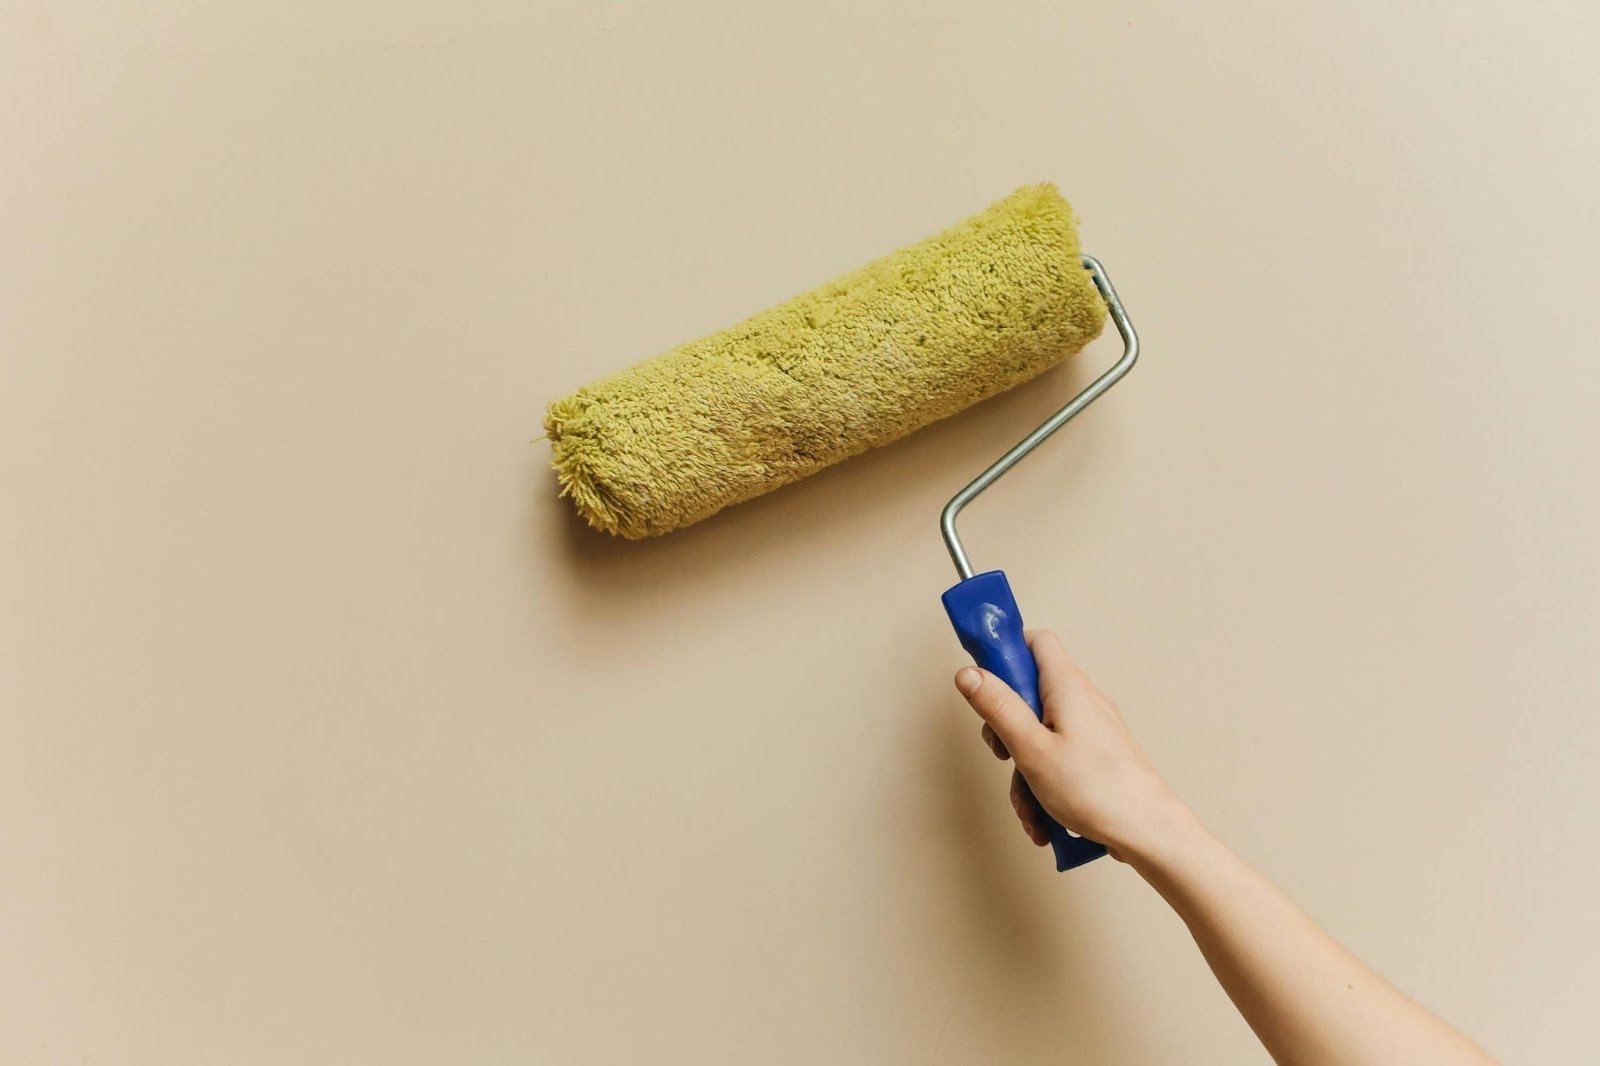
1168,830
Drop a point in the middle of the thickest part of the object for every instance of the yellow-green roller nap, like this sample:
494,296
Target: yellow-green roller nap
861,361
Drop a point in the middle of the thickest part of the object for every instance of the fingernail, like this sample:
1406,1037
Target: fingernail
968,680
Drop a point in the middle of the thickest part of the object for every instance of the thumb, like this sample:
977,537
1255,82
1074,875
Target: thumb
1010,718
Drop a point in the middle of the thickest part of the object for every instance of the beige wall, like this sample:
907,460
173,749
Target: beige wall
327,736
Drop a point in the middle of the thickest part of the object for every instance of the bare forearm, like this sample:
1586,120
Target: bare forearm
1309,1001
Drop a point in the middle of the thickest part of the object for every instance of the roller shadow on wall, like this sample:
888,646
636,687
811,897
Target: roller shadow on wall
1017,939
599,577
970,900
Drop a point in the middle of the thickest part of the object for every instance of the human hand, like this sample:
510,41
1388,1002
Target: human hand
1081,763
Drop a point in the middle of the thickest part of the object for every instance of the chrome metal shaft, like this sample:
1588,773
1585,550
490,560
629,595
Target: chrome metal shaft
1130,342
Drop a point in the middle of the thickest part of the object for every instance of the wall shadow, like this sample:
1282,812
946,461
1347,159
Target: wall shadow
1019,940
594,575
986,908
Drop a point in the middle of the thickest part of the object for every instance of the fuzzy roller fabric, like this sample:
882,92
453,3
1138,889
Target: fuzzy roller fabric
861,361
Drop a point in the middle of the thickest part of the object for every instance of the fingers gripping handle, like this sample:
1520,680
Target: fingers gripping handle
989,625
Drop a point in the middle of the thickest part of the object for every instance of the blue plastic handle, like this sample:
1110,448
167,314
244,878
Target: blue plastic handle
989,624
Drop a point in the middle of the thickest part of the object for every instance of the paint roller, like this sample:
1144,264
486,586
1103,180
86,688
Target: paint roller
861,361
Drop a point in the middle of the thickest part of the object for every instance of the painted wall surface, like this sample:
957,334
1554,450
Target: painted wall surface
329,736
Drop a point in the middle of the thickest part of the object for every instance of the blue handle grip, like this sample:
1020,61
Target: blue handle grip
989,624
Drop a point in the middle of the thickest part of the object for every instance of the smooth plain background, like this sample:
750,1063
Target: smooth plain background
328,736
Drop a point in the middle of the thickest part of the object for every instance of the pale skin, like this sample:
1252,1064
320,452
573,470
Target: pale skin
1310,1002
